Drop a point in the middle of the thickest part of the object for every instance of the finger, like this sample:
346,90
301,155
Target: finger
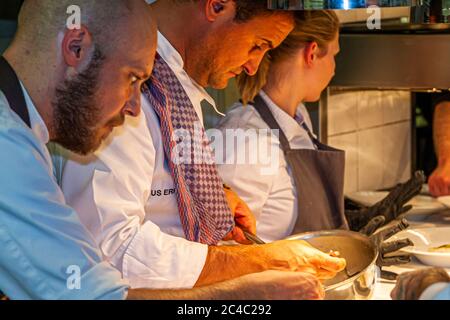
239,236
395,245
329,263
323,274
373,225
245,220
396,260
307,269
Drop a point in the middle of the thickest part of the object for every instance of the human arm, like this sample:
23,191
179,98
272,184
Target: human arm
439,181
227,262
268,285
411,285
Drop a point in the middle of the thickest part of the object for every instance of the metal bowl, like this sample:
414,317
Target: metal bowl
357,281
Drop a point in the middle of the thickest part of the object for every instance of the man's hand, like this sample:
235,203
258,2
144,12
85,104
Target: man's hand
298,255
411,285
228,262
278,285
439,181
243,217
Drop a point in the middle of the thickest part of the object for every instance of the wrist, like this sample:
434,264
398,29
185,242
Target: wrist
439,276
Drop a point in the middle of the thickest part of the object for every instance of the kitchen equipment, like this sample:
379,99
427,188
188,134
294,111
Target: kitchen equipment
334,4
358,281
425,239
445,200
422,204
253,238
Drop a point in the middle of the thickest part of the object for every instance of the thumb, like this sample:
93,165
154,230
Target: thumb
330,263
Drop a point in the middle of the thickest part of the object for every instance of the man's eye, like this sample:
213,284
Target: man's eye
134,79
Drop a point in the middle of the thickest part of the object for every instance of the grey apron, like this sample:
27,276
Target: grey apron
318,176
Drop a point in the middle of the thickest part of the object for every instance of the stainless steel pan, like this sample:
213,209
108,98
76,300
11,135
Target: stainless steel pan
357,281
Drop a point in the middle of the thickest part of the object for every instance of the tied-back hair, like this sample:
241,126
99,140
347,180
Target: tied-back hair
320,26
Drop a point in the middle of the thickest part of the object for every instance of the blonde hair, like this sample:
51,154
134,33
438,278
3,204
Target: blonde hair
320,26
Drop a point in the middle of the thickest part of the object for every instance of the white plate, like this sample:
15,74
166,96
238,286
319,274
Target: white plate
422,205
424,239
445,200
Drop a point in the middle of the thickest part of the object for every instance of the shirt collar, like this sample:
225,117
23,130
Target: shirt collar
37,123
289,125
173,58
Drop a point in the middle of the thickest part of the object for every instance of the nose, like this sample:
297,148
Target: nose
252,65
133,106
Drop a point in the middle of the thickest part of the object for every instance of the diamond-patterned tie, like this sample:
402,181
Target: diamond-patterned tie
204,211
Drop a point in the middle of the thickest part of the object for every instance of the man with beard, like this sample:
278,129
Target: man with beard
73,86
159,220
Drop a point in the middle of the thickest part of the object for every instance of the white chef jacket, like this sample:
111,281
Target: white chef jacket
125,196
270,194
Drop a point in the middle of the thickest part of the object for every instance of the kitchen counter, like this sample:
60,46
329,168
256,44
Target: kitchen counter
383,287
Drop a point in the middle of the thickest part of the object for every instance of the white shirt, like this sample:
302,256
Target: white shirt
270,194
125,196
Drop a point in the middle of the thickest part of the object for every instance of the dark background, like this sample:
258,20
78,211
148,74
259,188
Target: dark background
9,9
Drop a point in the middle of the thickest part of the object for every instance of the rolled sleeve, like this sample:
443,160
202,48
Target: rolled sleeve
437,291
157,260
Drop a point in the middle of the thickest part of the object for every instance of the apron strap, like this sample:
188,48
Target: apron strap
314,140
10,85
262,108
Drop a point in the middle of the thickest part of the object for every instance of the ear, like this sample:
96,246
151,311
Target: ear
311,53
216,9
77,47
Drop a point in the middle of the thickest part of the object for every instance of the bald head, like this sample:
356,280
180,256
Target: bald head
85,77
40,21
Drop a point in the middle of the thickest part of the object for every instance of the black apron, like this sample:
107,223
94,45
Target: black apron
10,86
318,176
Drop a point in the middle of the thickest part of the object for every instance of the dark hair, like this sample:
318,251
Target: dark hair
320,26
245,9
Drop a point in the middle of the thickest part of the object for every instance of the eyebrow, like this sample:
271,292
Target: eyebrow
269,42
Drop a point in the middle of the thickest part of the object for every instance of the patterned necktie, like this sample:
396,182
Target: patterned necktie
204,211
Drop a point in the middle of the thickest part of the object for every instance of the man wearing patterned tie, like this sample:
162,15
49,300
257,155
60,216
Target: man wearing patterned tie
157,215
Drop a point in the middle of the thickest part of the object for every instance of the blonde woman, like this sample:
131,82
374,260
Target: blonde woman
304,190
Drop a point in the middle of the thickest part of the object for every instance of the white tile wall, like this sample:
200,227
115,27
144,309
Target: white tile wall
396,106
349,143
370,159
343,112
374,128
370,113
396,141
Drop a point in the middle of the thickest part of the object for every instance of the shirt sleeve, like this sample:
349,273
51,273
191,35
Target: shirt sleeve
110,192
437,291
45,253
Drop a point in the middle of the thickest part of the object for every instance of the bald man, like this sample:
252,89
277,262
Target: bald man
73,87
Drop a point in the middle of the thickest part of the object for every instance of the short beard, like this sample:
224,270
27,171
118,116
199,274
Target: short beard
76,112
